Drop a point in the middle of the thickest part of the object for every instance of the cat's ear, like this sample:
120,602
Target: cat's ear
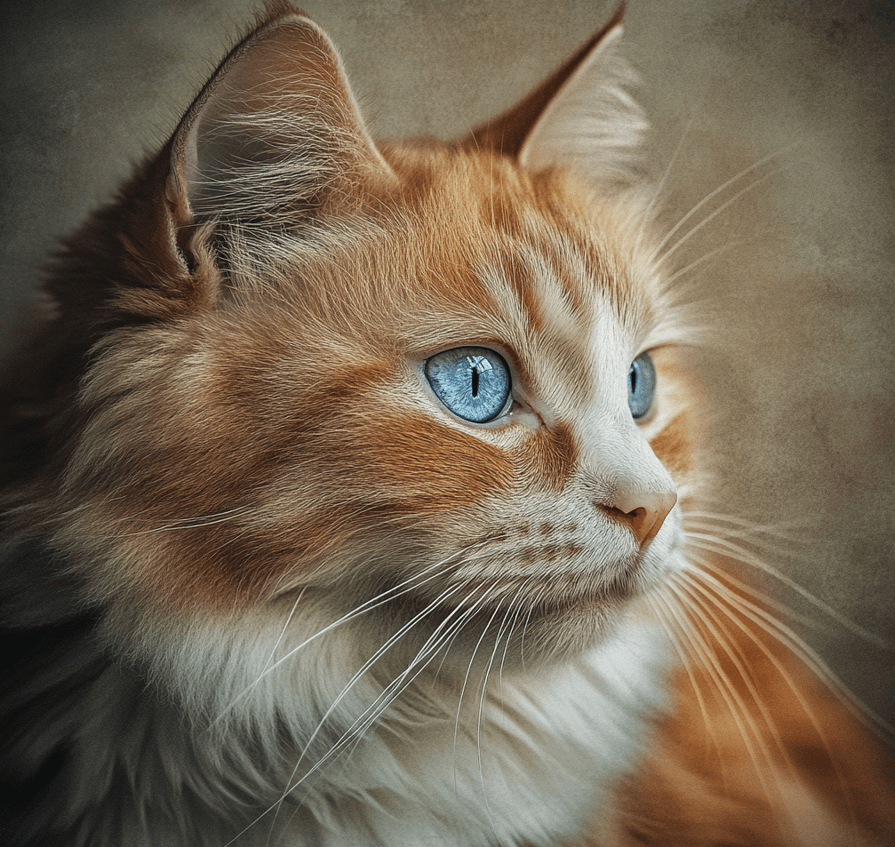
275,134
581,116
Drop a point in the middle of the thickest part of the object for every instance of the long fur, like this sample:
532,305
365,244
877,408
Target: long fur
260,586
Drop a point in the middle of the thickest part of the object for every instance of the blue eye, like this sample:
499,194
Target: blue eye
641,385
473,382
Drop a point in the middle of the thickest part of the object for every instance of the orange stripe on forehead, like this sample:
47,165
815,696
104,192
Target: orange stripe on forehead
572,274
598,234
464,205
517,277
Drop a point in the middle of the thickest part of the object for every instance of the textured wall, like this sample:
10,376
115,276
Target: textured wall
803,294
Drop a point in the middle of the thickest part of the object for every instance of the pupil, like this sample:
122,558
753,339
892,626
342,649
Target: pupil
632,379
475,382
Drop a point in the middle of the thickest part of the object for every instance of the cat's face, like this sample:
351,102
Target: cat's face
413,383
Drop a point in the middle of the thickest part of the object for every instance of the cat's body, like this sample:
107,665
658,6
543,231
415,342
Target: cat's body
271,576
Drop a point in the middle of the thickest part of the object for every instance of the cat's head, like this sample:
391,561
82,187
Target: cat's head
415,380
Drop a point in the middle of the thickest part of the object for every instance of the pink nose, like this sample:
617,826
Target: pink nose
643,512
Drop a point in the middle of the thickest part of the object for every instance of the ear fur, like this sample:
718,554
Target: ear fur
582,116
274,142
274,133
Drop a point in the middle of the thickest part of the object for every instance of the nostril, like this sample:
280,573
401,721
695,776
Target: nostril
644,521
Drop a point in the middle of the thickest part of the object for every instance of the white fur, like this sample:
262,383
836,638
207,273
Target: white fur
536,767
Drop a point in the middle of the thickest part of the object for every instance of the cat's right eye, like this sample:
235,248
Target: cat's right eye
472,382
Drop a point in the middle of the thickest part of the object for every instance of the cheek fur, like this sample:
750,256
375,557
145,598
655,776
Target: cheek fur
426,466
222,508
674,447
547,458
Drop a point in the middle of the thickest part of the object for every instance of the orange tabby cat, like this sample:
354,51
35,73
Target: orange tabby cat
345,500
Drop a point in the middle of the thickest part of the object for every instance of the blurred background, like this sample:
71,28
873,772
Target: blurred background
792,100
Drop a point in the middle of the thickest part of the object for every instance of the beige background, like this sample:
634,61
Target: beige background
803,295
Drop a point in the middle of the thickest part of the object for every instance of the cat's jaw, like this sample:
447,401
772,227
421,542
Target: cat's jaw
545,590
478,744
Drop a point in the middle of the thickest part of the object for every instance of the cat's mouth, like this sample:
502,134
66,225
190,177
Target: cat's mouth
523,620
544,592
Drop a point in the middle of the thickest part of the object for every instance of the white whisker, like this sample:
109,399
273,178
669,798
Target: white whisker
426,575
737,709
674,620
647,214
705,257
359,727
465,683
708,604
341,696
727,547
695,578
512,629
709,197
812,659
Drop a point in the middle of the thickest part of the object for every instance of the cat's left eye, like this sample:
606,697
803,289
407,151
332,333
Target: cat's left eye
472,382
641,385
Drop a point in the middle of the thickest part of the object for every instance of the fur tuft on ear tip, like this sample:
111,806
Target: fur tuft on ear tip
582,116
593,123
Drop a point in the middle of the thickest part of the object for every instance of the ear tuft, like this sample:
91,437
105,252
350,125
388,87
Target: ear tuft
582,116
593,124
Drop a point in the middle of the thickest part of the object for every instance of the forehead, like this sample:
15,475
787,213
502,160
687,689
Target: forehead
537,264
473,251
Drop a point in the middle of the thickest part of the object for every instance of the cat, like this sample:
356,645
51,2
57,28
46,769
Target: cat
345,494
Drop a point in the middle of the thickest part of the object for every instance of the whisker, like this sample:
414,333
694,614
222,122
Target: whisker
532,606
356,731
667,281
745,544
736,707
508,627
380,599
196,522
512,629
774,541
762,527
273,650
726,547
478,735
661,184
715,212
695,577
673,621
391,641
710,196
396,686
767,600
708,604
465,683
344,692
783,634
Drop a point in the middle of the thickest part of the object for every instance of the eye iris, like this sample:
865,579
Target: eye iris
641,385
473,382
